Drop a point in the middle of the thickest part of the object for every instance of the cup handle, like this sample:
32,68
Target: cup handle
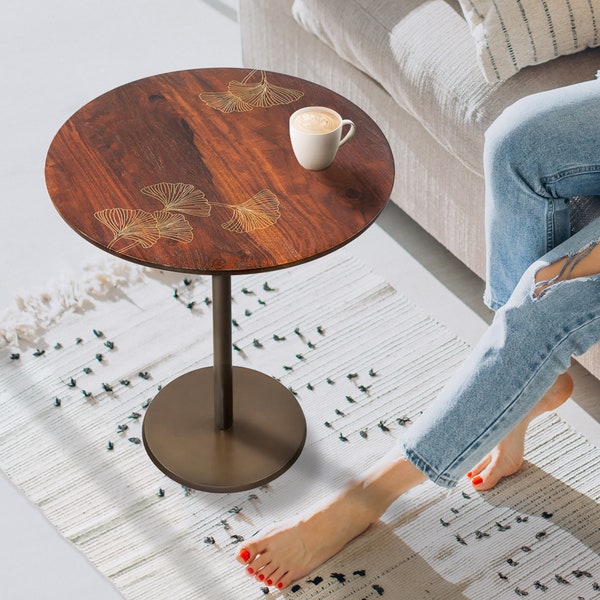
350,133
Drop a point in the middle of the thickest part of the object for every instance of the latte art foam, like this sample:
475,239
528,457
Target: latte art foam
316,121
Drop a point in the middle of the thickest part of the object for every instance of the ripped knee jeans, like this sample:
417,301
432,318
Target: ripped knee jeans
552,314
541,152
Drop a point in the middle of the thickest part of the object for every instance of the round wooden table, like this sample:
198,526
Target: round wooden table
192,171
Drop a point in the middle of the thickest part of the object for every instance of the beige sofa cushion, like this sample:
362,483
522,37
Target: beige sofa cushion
422,53
511,35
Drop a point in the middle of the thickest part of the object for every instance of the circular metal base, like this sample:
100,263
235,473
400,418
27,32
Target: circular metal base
267,436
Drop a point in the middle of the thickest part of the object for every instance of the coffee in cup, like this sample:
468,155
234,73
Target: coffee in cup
316,136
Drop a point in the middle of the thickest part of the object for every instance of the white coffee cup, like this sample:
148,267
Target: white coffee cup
316,136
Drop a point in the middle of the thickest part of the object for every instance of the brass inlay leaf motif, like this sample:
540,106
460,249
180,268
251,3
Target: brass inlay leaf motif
135,227
263,93
173,226
259,212
179,197
243,96
226,102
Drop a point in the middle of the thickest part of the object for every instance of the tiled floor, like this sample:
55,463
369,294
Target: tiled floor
55,57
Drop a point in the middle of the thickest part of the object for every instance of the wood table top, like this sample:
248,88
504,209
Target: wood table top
193,171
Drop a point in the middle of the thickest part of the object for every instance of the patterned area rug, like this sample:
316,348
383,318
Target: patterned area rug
80,363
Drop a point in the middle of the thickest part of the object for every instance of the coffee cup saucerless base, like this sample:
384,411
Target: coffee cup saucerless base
316,136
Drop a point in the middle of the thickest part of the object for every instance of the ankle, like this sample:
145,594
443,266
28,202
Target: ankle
557,395
387,481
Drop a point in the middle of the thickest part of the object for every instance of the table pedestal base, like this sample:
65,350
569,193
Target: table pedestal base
267,436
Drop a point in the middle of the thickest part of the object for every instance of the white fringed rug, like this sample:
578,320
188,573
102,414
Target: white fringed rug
80,363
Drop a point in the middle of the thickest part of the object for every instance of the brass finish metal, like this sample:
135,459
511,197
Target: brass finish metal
222,349
183,440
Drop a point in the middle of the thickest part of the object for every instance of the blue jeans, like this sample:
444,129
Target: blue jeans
540,152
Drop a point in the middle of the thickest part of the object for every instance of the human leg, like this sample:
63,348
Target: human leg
542,151
507,457
517,361
539,153
293,549
553,313
515,381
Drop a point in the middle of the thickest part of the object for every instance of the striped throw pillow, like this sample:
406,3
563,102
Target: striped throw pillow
512,34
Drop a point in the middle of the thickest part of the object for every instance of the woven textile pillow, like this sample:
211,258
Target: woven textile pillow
512,34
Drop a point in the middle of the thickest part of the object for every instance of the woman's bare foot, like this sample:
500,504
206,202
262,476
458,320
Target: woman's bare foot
294,549
507,457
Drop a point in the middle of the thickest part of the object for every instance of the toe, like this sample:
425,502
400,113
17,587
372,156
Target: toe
483,484
284,582
478,482
492,475
273,577
487,478
477,469
260,577
264,572
249,553
261,563
278,579
244,556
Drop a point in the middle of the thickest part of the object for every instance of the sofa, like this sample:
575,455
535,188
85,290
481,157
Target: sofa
424,71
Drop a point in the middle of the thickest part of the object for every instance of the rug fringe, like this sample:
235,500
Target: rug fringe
36,311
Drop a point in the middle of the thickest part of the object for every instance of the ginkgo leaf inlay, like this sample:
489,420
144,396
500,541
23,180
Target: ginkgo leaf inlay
226,102
242,96
179,197
263,93
259,212
137,227
173,226
133,227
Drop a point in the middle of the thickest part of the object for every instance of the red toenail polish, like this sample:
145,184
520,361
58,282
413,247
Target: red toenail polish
280,585
477,480
470,474
269,582
250,570
261,577
244,554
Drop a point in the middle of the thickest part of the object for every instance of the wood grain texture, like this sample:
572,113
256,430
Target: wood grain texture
256,208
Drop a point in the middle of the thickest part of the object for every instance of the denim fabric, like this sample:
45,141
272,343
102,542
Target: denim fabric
527,346
540,152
